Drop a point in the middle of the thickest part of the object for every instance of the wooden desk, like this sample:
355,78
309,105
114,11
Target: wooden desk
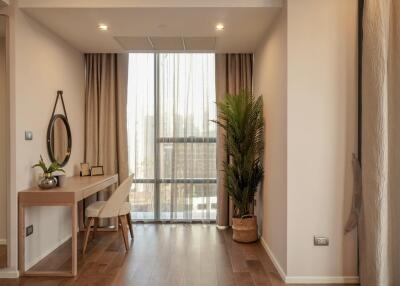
75,189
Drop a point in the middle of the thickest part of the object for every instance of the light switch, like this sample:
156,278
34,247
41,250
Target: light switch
28,135
28,230
321,241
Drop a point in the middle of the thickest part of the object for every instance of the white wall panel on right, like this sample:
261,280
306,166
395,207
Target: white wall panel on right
321,127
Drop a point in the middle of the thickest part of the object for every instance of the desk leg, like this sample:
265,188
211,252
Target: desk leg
81,215
116,223
21,238
74,256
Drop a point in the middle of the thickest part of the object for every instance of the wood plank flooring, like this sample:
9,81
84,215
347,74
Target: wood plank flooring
163,255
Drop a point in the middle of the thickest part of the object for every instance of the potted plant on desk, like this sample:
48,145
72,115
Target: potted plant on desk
241,116
48,181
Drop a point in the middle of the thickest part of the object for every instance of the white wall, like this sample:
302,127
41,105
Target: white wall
44,64
321,109
270,83
310,131
3,141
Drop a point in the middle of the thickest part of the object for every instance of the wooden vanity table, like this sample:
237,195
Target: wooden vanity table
74,190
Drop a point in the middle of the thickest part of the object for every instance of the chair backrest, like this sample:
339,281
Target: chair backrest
118,197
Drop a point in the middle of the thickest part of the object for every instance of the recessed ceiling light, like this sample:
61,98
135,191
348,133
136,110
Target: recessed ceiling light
103,27
219,27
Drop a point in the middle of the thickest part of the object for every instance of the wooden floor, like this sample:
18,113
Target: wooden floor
163,255
3,256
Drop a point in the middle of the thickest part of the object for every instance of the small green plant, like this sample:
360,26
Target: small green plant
241,116
53,167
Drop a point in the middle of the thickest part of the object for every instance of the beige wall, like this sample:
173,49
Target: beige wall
320,132
269,82
310,137
3,141
321,109
43,64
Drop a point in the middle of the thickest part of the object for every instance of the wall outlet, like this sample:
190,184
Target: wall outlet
29,230
28,135
321,241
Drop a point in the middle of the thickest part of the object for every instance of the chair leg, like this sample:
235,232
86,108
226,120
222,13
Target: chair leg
128,217
96,224
85,241
122,221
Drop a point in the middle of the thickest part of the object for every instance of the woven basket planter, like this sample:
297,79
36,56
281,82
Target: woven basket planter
245,229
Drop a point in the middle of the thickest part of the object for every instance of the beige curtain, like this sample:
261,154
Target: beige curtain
380,214
234,72
105,115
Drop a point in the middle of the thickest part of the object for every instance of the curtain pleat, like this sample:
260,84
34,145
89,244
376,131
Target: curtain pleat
379,227
234,73
105,116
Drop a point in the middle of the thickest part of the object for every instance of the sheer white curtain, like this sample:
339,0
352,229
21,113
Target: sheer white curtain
187,136
140,124
172,141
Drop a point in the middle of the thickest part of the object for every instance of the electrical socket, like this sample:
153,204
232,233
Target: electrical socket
321,241
29,230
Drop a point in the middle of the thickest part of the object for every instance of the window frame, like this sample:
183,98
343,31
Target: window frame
157,181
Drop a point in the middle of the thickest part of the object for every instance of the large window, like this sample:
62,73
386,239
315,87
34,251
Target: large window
171,139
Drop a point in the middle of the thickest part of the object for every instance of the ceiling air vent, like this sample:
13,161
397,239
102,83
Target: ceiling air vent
167,44
200,44
134,43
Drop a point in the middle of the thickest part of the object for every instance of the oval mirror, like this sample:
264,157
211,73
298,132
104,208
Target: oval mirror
59,141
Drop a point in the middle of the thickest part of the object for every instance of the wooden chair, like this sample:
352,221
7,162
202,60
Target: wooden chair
115,206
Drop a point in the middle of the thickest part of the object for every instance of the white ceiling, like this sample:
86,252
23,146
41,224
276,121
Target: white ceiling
134,21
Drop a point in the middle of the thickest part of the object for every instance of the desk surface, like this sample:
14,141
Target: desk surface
76,188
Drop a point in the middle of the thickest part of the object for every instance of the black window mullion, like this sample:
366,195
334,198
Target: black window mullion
156,135
187,140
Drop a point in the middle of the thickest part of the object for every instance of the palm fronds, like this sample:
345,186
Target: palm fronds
53,167
241,116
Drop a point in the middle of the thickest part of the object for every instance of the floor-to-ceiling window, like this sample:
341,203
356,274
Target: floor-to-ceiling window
171,138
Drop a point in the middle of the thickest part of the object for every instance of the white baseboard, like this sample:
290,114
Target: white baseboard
3,241
222,227
322,279
307,279
47,252
9,274
273,259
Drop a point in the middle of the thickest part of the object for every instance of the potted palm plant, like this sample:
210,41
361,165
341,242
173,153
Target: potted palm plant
48,181
241,116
